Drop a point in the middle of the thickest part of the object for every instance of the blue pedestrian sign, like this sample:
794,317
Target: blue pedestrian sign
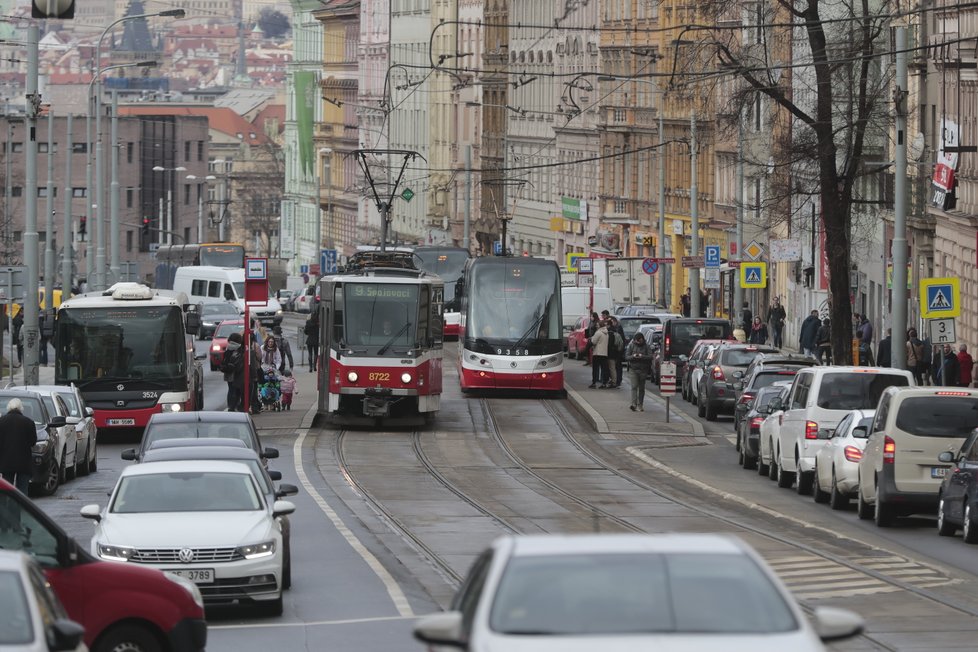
649,266
753,275
327,261
712,258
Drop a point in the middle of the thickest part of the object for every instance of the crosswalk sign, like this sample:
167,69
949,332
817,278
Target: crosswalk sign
940,298
753,275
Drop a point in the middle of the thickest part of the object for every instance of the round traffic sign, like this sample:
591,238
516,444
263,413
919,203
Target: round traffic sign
649,266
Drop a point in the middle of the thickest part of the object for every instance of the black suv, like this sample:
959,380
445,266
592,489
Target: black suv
715,392
766,368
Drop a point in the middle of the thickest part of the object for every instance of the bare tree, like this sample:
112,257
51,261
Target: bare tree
259,196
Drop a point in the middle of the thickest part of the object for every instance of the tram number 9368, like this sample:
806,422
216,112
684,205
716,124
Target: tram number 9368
379,376
512,351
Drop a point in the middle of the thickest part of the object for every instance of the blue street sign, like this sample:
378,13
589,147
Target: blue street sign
303,269
649,266
712,257
497,248
327,261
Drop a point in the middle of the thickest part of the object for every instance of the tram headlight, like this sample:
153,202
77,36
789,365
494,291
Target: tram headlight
405,378
353,376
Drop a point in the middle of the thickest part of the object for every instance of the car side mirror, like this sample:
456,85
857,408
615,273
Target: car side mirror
824,433
775,405
833,624
58,422
738,374
275,475
64,634
72,421
738,386
90,412
946,456
92,512
129,454
192,322
282,508
860,432
286,489
270,453
683,358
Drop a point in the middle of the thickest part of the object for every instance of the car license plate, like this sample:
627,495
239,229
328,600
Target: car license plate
196,575
938,471
120,422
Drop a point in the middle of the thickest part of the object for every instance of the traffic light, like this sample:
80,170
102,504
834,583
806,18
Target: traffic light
146,226
82,226
60,9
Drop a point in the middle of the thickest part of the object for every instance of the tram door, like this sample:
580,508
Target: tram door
328,330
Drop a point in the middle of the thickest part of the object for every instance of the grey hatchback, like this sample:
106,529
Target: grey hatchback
715,392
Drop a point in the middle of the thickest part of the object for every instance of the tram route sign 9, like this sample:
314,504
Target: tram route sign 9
13,284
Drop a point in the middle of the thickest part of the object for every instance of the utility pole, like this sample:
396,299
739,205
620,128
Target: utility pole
49,223
30,327
68,258
661,253
89,198
694,218
739,238
114,192
898,346
100,195
468,196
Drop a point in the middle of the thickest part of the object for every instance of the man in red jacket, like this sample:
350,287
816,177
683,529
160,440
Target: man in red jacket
966,363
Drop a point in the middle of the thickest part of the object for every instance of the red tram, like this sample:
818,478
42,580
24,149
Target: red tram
381,338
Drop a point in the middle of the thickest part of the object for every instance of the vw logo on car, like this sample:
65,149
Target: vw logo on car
186,555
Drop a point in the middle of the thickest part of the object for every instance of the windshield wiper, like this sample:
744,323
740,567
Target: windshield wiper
382,350
533,327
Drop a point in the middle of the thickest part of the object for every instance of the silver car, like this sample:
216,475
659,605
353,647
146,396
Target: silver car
837,463
624,592
33,618
82,419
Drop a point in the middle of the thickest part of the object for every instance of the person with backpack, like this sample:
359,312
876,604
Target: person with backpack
616,350
232,366
311,331
915,356
639,355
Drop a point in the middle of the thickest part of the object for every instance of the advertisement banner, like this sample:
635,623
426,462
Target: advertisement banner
305,98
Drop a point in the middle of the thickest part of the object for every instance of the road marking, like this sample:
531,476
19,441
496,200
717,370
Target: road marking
393,589
314,623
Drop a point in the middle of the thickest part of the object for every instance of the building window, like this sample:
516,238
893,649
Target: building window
130,148
129,196
16,147
79,148
17,191
186,150
200,150
42,191
79,192
128,241
186,194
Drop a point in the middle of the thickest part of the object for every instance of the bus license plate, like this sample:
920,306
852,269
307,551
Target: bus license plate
938,471
196,575
120,422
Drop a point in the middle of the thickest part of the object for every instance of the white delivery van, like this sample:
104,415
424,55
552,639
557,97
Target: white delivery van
574,303
203,284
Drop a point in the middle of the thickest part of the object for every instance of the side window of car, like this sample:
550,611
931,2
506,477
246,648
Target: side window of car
972,452
840,430
879,423
799,396
467,600
27,533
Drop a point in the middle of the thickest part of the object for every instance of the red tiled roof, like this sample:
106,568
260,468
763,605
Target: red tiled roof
271,112
219,118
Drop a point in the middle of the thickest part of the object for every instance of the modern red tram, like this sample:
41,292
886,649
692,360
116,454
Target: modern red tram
381,337
510,334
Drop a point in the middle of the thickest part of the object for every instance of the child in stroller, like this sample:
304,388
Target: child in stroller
269,389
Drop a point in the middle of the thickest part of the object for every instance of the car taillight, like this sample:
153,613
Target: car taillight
852,453
811,430
665,348
755,423
889,450
746,397
718,373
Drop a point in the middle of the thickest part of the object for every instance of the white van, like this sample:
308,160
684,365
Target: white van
574,304
227,283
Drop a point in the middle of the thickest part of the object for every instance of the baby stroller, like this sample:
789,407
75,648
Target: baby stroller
269,389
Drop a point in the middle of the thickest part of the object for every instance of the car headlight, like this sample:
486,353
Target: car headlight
171,407
115,553
405,378
255,551
278,312
189,586
216,348
40,446
353,376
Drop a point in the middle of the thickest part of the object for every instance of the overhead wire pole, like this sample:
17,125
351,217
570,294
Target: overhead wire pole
30,327
898,347
739,237
49,222
661,253
68,257
384,207
694,219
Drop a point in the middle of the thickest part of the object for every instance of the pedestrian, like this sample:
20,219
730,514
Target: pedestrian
311,331
865,336
808,337
950,368
758,332
270,355
284,348
685,301
288,389
46,327
966,365
639,355
883,349
255,374
704,303
18,434
915,356
823,342
616,349
232,366
926,361
17,336
936,364
746,318
775,317
599,357
592,326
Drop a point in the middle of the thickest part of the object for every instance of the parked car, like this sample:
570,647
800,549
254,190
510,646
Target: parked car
768,434
693,368
837,463
618,592
631,323
121,606
749,432
680,334
306,299
82,418
745,382
54,448
957,505
820,397
285,298
169,450
577,338
197,425
746,387
645,310
715,390
212,314
34,620
900,473
203,520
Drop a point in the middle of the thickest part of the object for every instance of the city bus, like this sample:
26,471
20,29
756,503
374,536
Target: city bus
169,257
130,351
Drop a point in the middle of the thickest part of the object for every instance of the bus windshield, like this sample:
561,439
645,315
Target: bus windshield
380,317
222,255
120,344
513,302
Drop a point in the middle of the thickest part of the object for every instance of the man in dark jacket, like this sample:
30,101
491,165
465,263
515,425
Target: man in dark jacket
950,368
883,350
807,341
284,348
775,317
311,331
233,368
18,434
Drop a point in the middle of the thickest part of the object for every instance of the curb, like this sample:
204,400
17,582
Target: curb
601,426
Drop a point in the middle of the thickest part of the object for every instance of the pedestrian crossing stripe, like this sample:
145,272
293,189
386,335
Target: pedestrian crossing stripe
753,275
940,298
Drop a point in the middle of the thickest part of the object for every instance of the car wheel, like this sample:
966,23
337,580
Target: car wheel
700,407
711,411
127,638
749,463
837,499
882,513
51,480
805,480
762,468
772,469
944,527
969,529
93,465
785,478
818,495
84,469
287,569
863,509
740,451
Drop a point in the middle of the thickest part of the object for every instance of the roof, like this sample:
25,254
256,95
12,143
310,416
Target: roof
219,119
624,543
229,453
13,560
185,466
209,416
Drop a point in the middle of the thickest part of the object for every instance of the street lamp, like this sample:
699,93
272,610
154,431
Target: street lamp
225,196
200,203
327,153
166,225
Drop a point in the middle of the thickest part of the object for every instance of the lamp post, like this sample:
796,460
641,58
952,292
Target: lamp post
224,195
327,154
166,221
200,202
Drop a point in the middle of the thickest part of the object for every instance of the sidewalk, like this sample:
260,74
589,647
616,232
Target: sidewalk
304,406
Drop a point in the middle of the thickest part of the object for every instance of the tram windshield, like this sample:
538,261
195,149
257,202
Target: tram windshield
447,263
120,344
381,318
513,302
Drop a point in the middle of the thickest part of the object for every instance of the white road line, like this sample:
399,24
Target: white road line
393,589
346,621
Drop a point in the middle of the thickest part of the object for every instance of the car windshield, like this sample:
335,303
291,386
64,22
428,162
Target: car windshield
738,357
186,491
211,309
684,335
158,431
16,626
767,379
938,416
856,390
581,594
225,329
32,408
74,409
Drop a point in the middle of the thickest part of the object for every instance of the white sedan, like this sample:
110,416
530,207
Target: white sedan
837,462
206,521
618,592
770,427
